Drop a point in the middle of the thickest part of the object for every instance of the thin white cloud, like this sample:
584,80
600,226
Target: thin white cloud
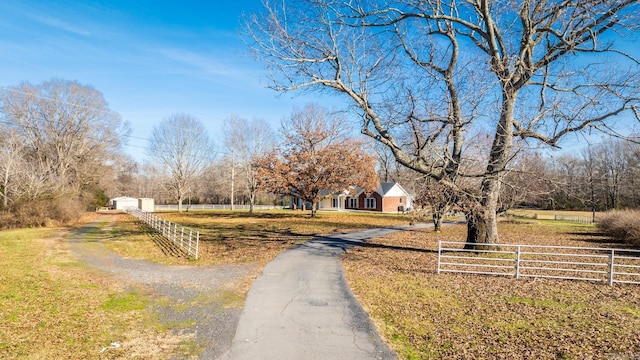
206,65
58,24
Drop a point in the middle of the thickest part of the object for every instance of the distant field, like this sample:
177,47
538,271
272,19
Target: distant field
549,214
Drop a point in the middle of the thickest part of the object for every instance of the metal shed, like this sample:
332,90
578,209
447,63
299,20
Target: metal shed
124,203
146,204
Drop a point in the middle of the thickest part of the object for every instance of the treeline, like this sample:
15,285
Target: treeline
316,153
601,177
62,153
59,144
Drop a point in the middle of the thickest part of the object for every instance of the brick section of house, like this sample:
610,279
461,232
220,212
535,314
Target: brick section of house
362,203
392,203
389,197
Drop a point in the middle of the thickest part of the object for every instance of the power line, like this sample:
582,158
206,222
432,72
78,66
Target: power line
57,100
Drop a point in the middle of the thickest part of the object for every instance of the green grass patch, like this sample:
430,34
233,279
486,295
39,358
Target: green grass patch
125,302
541,303
53,307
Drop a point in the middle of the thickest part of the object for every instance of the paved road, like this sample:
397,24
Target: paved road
302,308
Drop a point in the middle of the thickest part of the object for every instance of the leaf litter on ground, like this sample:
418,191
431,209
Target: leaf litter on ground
456,316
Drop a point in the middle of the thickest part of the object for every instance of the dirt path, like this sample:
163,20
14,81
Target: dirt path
196,300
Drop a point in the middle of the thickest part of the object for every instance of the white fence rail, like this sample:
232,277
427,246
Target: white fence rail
575,219
174,207
185,238
557,262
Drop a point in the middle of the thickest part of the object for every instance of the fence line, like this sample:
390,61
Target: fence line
185,238
555,262
174,207
575,219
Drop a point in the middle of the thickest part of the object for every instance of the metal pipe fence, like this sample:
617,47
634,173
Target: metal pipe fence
555,262
185,238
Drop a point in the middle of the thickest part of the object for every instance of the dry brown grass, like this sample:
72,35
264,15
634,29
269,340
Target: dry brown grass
550,214
239,237
623,225
428,316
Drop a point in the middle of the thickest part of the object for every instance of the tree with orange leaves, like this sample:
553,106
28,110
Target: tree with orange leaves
317,155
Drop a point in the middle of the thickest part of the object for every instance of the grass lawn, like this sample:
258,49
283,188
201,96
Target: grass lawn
454,316
228,237
53,307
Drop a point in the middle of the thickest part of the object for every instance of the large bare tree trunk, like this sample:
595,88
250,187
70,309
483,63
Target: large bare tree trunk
481,229
482,221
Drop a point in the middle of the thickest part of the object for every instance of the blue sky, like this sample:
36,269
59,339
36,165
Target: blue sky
150,59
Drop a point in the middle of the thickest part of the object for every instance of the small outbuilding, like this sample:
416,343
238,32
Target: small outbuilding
146,204
123,203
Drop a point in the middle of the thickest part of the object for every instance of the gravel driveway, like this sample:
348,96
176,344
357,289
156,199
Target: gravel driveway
199,298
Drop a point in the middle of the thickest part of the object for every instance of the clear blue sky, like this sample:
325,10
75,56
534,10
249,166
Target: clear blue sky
150,59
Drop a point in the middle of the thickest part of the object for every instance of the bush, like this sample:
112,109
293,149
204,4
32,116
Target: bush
623,225
39,213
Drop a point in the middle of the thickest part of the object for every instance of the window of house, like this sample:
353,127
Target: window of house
370,203
334,202
400,200
353,203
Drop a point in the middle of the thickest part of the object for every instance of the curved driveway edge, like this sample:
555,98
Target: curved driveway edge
301,307
195,294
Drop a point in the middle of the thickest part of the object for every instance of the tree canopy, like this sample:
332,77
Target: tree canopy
59,140
317,156
428,78
180,147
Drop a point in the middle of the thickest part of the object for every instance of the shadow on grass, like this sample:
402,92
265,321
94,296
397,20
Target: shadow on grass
168,247
597,237
254,235
389,247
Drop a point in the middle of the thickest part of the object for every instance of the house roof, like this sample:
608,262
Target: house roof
121,198
387,189
391,189
384,188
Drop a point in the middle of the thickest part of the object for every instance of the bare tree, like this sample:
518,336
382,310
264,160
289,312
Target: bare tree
66,126
434,72
526,183
434,198
317,156
246,142
181,147
64,136
11,156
